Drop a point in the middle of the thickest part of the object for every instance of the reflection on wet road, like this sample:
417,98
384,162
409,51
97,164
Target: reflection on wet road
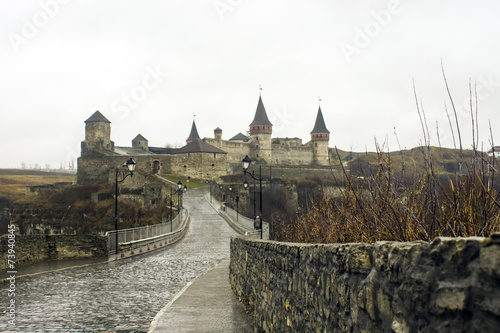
120,296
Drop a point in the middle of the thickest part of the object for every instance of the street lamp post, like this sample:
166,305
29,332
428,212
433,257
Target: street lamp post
246,163
209,183
229,199
171,213
245,185
179,190
130,164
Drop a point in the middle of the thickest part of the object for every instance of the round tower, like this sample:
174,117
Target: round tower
320,136
97,133
218,136
260,133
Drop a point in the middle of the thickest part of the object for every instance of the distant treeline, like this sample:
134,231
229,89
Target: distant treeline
31,172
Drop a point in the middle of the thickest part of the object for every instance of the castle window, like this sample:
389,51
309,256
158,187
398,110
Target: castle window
257,147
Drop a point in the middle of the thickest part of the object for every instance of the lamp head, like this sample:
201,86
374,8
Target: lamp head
245,184
131,165
179,185
246,163
185,188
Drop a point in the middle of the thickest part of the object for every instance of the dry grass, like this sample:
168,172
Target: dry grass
13,182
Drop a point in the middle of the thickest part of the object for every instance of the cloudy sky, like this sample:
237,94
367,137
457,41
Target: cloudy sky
148,66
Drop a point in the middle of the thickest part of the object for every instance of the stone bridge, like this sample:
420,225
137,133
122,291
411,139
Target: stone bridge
123,295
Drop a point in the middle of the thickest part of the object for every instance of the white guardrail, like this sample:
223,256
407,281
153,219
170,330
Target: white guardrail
143,239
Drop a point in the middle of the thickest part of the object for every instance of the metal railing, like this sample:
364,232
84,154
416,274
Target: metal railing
140,236
241,223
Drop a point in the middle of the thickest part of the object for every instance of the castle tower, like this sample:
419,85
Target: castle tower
218,136
320,136
193,135
140,142
260,132
97,133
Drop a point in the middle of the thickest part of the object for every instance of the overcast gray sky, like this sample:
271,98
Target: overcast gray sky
148,66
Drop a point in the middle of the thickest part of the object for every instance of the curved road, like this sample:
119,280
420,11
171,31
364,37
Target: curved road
124,295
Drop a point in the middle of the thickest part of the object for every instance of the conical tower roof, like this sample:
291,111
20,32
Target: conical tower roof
199,146
194,133
319,126
97,117
260,115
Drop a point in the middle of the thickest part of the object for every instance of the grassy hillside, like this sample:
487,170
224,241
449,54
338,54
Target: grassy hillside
13,182
444,161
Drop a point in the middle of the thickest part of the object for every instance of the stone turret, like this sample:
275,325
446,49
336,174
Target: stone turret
140,142
193,135
97,134
320,136
218,136
260,132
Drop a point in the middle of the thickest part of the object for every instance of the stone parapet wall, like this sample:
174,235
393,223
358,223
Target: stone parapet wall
28,249
448,285
35,248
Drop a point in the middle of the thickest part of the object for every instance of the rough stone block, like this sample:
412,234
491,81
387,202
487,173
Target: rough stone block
387,286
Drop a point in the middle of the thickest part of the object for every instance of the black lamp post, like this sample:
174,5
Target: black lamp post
209,183
179,190
246,163
171,213
245,185
130,164
229,199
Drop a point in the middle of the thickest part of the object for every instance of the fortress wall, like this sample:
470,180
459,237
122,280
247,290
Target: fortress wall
97,168
199,165
447,285
286,171
236,151
291,155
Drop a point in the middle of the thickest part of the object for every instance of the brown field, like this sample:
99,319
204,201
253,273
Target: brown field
13,182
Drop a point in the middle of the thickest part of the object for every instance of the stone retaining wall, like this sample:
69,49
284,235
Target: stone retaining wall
35,248
448,285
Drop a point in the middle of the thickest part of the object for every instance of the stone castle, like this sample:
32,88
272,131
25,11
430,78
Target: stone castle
206,158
